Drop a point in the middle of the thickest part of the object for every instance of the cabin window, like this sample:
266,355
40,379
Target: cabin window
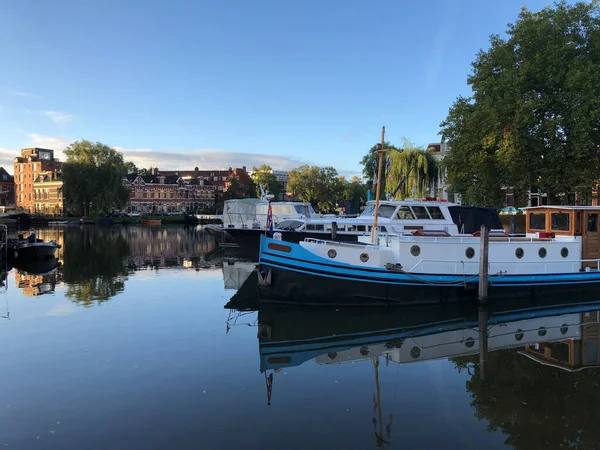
332,253
560,221
564,252
420,212
360,228
470,252
364,257
578,222
435,213
537,221
314,227
519,253
592,223
542,252
404,213
415,250
384,211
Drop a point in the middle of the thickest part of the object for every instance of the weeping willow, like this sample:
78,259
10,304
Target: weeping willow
416,170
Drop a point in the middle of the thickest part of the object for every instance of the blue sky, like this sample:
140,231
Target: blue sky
179,84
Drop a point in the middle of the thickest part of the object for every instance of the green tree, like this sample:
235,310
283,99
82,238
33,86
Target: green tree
93,179
532,119
414,170
369,171
264,176
319,186
410,167
131,168
232,188
355,189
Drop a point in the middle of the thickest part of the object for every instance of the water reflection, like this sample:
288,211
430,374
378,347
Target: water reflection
95,263
37,277
531,372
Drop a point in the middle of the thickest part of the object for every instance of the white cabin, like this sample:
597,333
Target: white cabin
252,213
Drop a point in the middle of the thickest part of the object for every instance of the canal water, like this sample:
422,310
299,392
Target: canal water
154,338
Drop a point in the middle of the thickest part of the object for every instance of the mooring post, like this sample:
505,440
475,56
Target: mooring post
483,340
483,263
333,230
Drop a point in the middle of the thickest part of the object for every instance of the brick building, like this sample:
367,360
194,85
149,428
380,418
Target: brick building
47,194
31,163
217,178
169,193
7,188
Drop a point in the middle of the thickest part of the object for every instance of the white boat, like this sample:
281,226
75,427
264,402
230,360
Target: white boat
561,250
245,221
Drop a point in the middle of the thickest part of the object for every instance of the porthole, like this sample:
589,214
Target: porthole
519,335
519,252
415,352
332,253
470,252
332,355
470,342
564,329
364,257
564,252
415,250
542,252
542,331
364,350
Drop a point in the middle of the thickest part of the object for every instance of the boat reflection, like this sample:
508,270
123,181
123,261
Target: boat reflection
291,338
37,277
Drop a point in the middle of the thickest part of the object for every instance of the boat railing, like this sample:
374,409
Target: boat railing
341,244
461,265
469,238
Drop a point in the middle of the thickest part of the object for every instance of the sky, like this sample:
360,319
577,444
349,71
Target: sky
178,84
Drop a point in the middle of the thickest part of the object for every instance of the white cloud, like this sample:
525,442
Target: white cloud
58,117
207,159
7,158
178,160
23,94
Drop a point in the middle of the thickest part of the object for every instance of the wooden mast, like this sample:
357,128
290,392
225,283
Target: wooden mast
381,151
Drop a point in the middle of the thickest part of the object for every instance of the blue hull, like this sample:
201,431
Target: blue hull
295,270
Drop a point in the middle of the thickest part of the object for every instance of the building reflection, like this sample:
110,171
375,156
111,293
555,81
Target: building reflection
38,277
95,262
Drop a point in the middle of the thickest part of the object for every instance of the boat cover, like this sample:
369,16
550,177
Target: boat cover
469,219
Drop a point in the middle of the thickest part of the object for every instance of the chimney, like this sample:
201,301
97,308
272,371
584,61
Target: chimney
155,171
244,167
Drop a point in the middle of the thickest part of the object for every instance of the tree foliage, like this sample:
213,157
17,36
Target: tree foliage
533,119
319,186
264,176
354,189
410,166
131,168
93,179
94,264
415,170
536,406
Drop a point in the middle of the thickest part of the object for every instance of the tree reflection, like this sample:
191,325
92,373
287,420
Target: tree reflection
535,405
94,264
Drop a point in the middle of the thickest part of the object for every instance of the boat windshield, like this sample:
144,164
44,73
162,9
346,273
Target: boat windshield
384,211
306,210
290,225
